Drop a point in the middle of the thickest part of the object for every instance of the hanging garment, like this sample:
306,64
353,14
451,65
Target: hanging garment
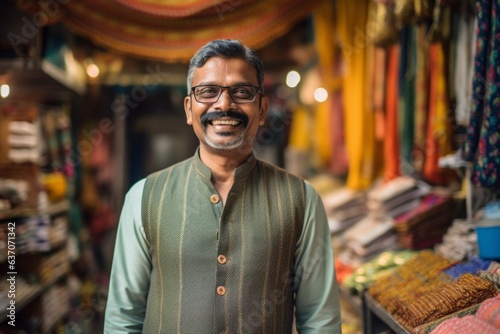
391,145
406,110
482,146
421,97
464,68
438,142
362,149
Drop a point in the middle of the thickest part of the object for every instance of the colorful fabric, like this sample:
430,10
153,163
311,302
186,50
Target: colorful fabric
174,30
473,266
483,134
438,142
490,311
391,142
362,148
421,97
467,291
406,110
466,325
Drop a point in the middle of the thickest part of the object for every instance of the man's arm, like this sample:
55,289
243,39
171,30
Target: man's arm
131,270
317,296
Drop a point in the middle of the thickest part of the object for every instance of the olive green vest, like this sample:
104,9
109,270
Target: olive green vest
222,269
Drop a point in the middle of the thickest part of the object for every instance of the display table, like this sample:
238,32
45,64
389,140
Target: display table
376,318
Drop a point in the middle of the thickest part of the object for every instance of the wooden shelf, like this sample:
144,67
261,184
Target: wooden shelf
51,210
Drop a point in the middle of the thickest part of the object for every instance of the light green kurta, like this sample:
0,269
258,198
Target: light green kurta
166,276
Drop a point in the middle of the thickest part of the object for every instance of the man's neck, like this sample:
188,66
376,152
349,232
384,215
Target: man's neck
222,167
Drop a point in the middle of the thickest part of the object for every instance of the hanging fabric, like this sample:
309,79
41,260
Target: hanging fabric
362,149
174,30
391,145
482,146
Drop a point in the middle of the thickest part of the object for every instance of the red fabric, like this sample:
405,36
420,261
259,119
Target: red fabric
391,146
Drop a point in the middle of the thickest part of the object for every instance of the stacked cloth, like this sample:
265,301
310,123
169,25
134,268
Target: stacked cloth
344,208
424,226
396,197
459,242
370,236
420,291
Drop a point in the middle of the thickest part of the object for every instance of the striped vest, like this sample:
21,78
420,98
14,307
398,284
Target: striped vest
222,269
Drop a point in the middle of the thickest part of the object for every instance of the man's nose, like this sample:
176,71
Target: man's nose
225,101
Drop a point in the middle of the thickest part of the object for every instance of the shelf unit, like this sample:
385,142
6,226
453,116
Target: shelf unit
29,296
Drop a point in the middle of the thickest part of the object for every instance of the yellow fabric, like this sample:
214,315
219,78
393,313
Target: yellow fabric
351,18
300,130
321,134
443,129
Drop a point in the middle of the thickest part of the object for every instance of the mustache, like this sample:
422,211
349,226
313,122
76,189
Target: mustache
211,115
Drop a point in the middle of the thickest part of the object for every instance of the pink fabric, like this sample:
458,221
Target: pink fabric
490,311
466,325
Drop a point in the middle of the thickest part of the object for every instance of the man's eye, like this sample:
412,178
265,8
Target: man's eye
207,91
242,91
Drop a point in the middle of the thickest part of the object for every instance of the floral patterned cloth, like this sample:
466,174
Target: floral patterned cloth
482,146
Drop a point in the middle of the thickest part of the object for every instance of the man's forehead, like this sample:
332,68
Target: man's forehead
217,66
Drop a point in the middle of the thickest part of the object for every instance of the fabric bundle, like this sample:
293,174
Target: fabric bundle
473,266
396,197
425,225
370,236
344,208
468,290
459,242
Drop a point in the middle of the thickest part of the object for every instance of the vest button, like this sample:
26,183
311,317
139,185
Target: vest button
221,291
221,259
214,199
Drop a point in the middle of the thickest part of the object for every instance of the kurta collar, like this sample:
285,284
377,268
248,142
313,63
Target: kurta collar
239,173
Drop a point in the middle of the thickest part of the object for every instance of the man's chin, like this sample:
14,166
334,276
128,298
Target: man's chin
226,145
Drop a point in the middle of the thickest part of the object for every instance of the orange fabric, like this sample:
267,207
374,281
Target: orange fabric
438,141
391,146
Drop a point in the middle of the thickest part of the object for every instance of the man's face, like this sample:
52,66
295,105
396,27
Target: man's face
228,132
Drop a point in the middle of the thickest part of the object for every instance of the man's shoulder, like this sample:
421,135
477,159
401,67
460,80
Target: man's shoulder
269,167
177,166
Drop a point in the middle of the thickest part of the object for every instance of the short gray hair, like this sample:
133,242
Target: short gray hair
225,48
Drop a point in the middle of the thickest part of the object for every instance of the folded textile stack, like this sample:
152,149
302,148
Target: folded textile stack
425,225
459,242
23,140
344,208
396,197
370,236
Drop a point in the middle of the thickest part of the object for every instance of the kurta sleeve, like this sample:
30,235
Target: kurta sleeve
131,269
317,295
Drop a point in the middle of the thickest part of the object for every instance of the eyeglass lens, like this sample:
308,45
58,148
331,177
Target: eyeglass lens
211,93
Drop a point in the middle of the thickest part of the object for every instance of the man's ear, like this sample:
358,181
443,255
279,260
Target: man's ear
264,104
188,110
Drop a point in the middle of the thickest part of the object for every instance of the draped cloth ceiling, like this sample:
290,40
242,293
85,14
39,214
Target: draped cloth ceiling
172,30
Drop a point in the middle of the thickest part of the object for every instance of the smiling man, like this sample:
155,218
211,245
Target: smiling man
223,242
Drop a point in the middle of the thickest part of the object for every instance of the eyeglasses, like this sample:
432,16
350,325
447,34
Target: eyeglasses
212,93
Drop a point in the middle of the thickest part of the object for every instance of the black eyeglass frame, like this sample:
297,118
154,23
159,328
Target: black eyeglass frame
257,91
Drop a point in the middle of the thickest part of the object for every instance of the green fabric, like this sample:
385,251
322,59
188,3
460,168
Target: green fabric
256,230
317,307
